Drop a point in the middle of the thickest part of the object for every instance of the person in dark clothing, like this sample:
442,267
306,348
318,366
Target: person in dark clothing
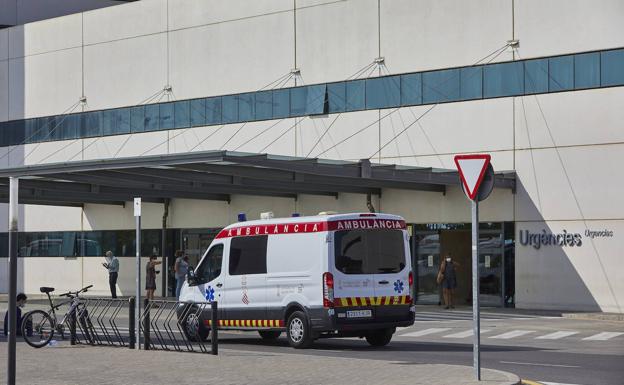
21,302
449,282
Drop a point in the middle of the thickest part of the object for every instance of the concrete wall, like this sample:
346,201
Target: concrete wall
565,147
27,11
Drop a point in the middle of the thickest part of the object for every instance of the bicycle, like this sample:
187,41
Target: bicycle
38,326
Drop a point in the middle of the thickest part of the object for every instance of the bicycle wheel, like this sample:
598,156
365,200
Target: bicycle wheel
37,328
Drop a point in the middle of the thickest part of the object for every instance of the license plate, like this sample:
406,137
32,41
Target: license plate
359,313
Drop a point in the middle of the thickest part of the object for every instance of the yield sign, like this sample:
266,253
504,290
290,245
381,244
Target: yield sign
471,171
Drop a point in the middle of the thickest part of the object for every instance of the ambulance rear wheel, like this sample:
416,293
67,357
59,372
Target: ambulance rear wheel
379,337
298,330
269,335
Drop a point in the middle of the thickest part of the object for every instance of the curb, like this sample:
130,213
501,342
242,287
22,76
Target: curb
595,316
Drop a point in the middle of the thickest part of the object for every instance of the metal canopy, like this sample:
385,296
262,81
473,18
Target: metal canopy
215,175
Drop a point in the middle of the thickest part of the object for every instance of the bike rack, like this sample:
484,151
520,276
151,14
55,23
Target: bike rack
97,322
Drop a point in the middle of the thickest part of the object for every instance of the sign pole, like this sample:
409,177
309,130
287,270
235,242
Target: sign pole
476,323
137,302
12,318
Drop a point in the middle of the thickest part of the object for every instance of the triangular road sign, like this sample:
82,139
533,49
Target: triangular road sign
471,171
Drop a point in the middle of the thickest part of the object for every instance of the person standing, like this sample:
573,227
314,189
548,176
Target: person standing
180,268
150,276
112,265
449,281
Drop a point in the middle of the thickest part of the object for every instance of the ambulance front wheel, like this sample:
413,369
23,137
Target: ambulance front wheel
380,337
298,330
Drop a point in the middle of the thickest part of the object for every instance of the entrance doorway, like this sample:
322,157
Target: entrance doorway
432,242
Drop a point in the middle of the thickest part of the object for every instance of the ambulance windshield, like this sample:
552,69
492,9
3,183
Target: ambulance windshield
369,251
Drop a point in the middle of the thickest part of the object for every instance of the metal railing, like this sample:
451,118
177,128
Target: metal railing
163,324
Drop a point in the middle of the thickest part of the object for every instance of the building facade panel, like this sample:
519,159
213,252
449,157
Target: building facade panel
429,34
46,36
4,90
4,44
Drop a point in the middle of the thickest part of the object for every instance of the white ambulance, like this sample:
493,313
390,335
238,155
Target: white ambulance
339,275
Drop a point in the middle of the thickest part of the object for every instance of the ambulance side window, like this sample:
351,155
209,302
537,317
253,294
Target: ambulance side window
210,268
248,255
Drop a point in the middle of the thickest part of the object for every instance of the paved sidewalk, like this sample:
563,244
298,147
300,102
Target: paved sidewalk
68,365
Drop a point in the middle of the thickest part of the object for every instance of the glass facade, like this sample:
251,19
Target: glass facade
522,77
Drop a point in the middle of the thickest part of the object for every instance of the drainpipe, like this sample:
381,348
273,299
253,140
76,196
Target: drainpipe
165,269
369,203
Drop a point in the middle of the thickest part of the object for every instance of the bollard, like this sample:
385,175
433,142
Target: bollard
146,324
214,339
72,327
131,325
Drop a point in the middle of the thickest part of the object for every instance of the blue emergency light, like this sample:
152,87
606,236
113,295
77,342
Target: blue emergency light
242,217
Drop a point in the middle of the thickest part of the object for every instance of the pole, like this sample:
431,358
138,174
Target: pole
12,319
476,328
214,326
137,300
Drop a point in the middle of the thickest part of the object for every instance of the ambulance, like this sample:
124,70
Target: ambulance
336,275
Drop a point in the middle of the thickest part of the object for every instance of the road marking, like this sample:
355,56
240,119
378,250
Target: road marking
554,383
536,364
602,336
513,334
467,333
556,335
425,332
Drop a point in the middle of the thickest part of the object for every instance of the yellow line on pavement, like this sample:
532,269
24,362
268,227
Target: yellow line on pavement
529,382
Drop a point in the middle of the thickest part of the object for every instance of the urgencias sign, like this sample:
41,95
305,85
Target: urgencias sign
544,238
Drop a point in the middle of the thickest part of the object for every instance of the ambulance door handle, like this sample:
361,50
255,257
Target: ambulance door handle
219,284
383,282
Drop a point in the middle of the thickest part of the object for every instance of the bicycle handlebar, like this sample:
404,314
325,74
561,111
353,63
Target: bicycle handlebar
74,293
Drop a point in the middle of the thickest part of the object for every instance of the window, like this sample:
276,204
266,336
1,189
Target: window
210,267
213,111
166,118
182,114
281,103
198,112
355,95
471,83
246,107
369,252
504,79
298,97
561,71
70,127
92,124
264,105
587,70
536,76
612,68
137,119
383,92
151,117
440,86
336,97
248,255
315,100
411,89
229,109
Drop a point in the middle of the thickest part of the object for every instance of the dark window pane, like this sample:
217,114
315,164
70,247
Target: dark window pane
411,89
369,252
246,107
561,71
383,92
248,255
92,124
198,112
107,122
356,96
122,123
54,128
14,133
137,119
31,128
612,68
182,114
70,127
587,70
336,97
213,111
166,120
264,105
536,76
230,109
504,79
152,115
281,103
298,97
440,86
471,83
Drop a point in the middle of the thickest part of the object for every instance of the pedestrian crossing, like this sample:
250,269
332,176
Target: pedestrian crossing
458,315
454,333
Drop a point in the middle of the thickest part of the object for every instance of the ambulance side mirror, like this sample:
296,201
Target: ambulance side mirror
191,278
